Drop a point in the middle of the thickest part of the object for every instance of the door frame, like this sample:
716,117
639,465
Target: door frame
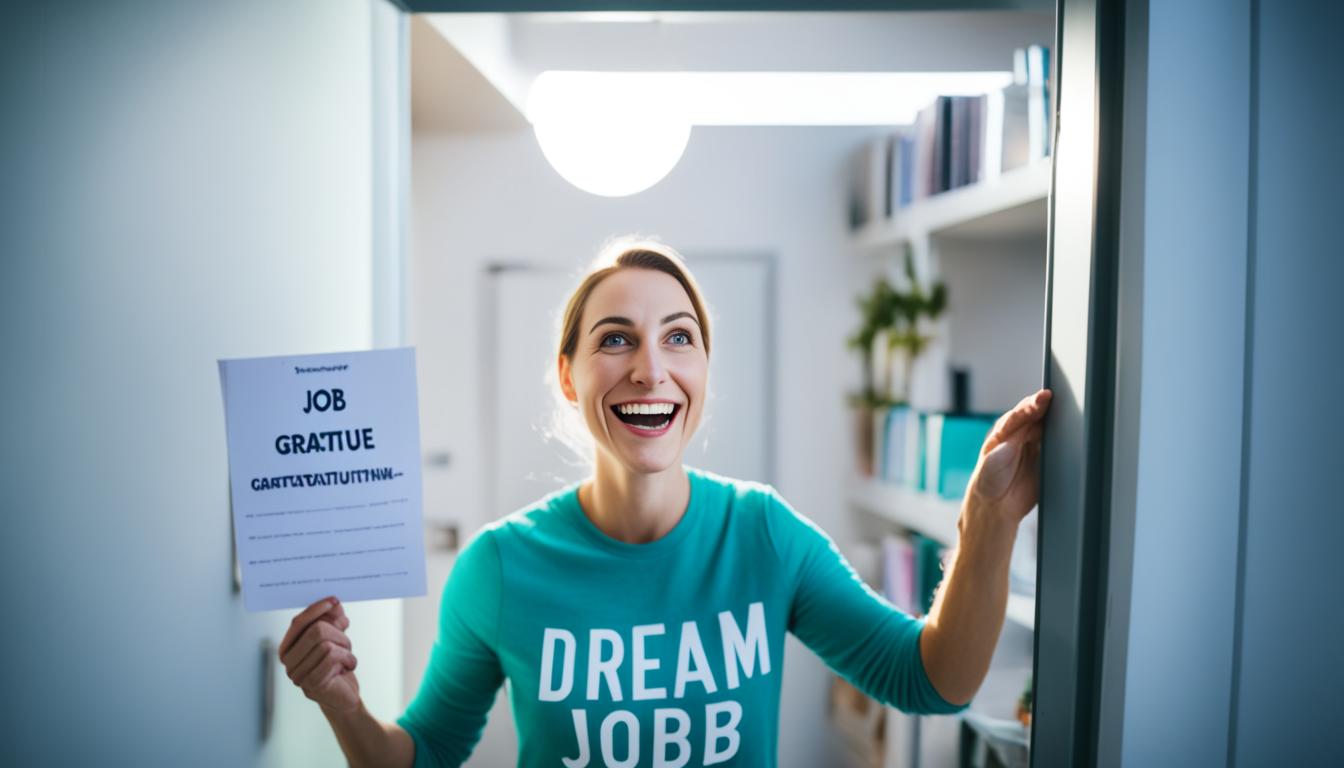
1073,623
1073,620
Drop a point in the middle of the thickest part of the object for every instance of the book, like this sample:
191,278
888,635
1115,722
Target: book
1015,141
960,439
910,455
976,125
876,187
901,446
955,141
991,136
933,438
907,154
898,572
925,133
952,444
893,445
929,555
1038,115
942,156
921,454
886,177
958,167
880,418
898,172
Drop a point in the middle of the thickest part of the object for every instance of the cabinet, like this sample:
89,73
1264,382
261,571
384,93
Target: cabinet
987,243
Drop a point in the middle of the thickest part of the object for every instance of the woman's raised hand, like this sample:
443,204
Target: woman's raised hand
1005,484
318,657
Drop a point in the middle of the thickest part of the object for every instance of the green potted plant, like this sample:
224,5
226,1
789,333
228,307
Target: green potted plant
877,311
1024,703
904,333
888,320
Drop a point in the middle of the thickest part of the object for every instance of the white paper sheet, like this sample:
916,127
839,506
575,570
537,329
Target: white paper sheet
324,466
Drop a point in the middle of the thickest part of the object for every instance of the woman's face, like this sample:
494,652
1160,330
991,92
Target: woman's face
639,343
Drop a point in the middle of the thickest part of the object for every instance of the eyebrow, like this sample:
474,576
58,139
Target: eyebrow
628,322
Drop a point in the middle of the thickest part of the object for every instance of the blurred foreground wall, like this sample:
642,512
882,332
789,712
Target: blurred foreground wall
183,181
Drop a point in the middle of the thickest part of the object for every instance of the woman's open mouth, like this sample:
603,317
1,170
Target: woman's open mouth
647,419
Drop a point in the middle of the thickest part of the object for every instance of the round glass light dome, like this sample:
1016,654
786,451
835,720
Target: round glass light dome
604,133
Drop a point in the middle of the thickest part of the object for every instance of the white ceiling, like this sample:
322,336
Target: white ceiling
448,94
509,50
775,41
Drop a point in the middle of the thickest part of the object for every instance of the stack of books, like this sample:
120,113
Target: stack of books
958,140
929,451
912,568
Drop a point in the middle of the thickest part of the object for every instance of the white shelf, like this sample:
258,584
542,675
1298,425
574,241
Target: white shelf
932,516
1022,610
1011,205
927,513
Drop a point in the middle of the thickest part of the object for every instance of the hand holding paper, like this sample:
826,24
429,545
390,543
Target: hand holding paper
319,658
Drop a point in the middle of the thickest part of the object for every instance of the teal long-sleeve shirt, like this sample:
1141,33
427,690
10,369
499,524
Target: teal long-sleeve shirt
668,653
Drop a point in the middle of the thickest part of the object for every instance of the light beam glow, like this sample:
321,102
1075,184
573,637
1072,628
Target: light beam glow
619,133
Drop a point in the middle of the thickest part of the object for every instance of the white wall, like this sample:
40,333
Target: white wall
995,317
1185,370
183,181
774,190
1289,674
1226,533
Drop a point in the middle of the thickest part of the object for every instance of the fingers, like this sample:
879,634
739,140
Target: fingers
319,655
338,660
304,618
1029,410
337,617
319,633
308,663
1026,438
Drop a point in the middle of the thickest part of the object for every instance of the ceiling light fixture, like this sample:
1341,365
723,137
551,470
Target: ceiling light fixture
611,137
618,133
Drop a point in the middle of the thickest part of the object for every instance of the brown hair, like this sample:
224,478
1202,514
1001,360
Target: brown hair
625,253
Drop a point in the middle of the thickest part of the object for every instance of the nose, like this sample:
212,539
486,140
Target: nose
648,367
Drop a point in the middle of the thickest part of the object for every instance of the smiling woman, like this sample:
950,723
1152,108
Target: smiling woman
645,343
607,324
639,615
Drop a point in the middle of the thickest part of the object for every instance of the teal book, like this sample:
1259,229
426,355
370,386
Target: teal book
959,442
928,569
917,481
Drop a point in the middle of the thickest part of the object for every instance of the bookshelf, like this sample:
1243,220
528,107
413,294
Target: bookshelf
987,241
931,515
926,513
1009,206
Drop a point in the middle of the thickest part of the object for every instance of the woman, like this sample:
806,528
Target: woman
639,615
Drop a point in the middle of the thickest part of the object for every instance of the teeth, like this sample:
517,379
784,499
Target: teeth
650,429
647,408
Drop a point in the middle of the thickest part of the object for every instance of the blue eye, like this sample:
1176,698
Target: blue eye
682,333
611,336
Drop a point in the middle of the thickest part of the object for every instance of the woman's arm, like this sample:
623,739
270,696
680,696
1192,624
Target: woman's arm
447,716
368,741
966,618
857,632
